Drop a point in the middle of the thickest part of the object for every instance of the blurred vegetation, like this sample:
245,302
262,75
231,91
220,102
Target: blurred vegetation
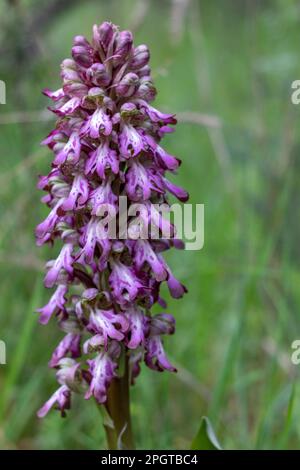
234,62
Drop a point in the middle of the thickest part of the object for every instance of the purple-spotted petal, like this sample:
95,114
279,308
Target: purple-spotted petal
101,159
63,261
61,398
124,283
70,344
103,370
78,195
109,324
155,356
143,253
69,107
130,141
70,151
55,304
100,123
138,327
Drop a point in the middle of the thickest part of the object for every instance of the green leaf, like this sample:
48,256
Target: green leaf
205,439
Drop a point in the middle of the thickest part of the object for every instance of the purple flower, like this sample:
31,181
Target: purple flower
98,123
155,115
66,108
54,95
98,75
106,144
69,374
63,261
102,159
102,195
144,253
128,85
141,56
109,324
138,186
55,304
103,370
177,290
155,355
124,283
138,327
61,398
103,36
71,150
78,195
180,193
44,229
123,45
131,141
91,242
93,344
82,51
70,344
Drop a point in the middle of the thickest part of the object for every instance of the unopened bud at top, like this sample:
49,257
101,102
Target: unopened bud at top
123,45
102,35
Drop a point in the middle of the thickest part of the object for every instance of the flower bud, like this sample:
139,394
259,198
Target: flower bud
81,41
146,91
102,35
128,85
95,95
81,56
141,56
97,75
96,92
123,45
82,52
128,110
70,75
68,64
69,374
145,72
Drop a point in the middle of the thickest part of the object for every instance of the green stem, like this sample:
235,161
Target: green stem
118,408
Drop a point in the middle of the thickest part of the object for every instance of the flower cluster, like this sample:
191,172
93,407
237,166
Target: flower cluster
105,144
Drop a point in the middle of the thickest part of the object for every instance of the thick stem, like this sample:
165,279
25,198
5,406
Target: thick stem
118,408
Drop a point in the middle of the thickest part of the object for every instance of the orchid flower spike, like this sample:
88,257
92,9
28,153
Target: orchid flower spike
106,144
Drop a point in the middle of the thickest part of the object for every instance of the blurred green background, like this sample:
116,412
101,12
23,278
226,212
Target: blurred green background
226,69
